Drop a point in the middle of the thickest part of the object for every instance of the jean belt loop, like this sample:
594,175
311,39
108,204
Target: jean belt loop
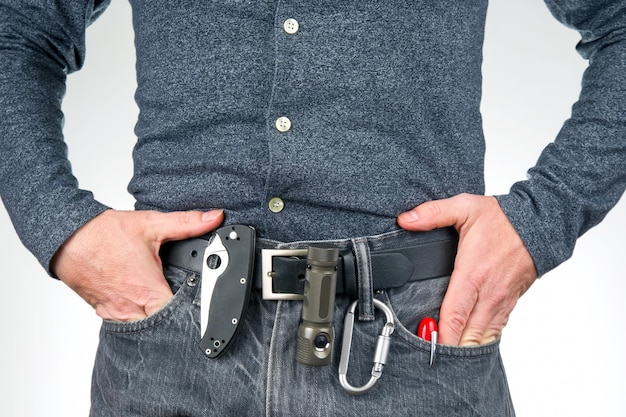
364,279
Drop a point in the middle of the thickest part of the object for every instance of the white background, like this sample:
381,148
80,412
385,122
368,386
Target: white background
562,346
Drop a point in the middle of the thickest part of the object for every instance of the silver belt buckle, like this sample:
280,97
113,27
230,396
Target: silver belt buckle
268,273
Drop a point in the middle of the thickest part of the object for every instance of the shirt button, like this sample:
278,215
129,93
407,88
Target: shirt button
283,124
291,26
276,205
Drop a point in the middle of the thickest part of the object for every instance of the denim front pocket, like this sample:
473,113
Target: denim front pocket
464,381
139,364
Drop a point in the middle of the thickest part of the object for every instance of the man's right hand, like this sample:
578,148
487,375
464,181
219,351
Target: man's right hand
113,261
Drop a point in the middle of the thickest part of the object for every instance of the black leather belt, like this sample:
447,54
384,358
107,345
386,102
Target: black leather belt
280,272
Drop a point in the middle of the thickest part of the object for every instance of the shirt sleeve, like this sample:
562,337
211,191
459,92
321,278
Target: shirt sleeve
582,174
40,43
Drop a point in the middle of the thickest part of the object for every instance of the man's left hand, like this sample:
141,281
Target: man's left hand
492,269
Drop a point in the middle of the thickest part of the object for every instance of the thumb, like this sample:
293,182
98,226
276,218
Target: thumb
179,225
436,214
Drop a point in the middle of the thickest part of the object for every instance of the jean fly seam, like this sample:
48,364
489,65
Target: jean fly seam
271,360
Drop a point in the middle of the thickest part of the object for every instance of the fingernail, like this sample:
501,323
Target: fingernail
209,216
409,216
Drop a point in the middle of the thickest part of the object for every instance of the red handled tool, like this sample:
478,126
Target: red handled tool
427,330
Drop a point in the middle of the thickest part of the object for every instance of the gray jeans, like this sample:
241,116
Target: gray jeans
154,367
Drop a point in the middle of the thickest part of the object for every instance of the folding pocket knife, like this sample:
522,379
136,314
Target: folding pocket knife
227,272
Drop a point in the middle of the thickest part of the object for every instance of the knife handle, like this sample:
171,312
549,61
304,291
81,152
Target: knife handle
231,289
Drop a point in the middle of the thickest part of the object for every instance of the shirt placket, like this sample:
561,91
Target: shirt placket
283,128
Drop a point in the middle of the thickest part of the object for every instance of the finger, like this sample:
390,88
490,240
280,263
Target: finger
496,300
487,320
128,300
483,326
181,225
158,301
436,214
475,310
456,308
120,313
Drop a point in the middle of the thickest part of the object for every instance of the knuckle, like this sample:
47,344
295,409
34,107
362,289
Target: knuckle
499,296
475,280
468,201
457,321
147,222
161,225
471,338
433,208
185,217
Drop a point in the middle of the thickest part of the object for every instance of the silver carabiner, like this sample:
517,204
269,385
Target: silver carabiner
380,355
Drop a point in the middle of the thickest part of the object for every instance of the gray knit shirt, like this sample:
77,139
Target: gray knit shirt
363,110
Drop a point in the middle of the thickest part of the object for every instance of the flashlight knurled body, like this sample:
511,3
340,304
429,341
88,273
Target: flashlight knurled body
315,334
